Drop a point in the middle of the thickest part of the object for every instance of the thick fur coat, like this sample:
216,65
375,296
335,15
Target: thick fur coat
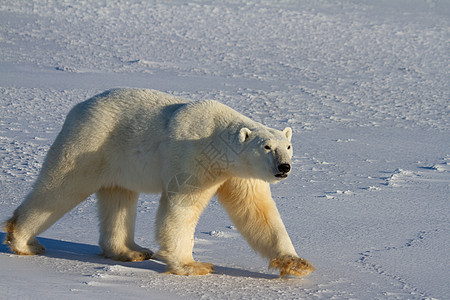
129,141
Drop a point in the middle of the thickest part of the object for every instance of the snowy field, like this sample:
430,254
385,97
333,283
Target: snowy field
365,86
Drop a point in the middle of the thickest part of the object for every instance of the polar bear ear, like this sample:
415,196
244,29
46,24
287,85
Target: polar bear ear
288,133
244,134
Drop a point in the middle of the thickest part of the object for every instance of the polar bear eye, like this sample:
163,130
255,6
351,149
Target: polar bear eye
289,147
267,147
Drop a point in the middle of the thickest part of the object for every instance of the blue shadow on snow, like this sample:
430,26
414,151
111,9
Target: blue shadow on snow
91,253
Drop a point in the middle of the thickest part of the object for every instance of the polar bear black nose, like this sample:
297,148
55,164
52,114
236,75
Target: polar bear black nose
284,168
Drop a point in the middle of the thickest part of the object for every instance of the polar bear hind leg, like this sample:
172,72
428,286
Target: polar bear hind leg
117,214
41,208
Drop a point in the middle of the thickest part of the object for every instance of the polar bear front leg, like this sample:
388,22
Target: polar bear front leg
252,209
176,220
117,214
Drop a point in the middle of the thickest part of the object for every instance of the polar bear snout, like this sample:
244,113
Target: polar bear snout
284,170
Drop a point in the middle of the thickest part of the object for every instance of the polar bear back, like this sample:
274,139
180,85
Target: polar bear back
134,137
115,138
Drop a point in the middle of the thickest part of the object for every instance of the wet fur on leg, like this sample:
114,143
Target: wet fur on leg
190,269
291,265
131,255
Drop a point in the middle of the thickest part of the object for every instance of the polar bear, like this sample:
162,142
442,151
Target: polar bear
128,141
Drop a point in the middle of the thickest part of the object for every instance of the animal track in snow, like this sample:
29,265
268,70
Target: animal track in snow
368,259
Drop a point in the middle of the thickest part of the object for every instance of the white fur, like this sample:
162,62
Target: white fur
127,141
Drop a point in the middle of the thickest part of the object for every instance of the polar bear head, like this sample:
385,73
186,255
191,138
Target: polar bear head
266,153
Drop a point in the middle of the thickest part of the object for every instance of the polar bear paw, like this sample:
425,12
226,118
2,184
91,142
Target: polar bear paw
33,248
193,268
131,255
21,245
291,265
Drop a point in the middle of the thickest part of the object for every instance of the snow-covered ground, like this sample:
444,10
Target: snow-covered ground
364,85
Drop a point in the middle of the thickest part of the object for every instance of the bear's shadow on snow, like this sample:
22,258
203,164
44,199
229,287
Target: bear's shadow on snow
233,272
83,252
91,253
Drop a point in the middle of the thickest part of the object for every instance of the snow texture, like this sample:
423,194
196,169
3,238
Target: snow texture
364,85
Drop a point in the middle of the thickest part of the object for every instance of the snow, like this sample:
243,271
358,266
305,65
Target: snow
364,85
